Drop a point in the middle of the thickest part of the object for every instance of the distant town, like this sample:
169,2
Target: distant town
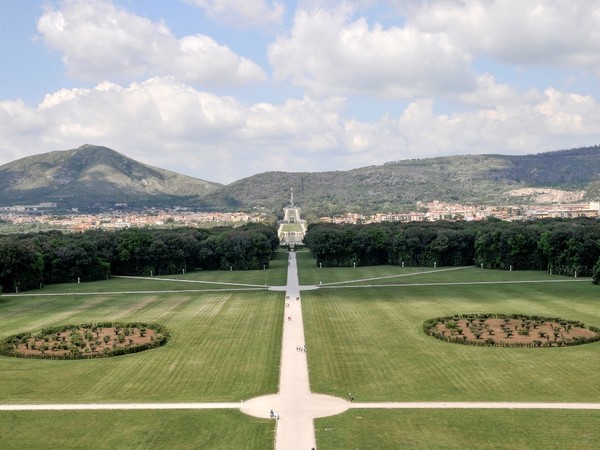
41,215
433,211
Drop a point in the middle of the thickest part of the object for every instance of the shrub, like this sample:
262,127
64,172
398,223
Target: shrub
77,348
451,323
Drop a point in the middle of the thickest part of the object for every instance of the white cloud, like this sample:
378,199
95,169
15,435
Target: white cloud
520,32
328,54
556,120
101,41
569,113
313,125
169,124
488,93
200,58
244,14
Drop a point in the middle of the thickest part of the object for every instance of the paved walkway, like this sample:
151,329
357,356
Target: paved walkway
296,405
319,406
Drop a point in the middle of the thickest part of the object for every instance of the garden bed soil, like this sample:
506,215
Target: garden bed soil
495,328
91,347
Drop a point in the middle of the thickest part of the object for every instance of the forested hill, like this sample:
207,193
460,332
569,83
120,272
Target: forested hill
93,177
569,169
399,185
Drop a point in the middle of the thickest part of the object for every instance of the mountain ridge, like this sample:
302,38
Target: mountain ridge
399,185
97,177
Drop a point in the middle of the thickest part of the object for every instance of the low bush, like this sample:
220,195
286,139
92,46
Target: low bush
563,331
83,341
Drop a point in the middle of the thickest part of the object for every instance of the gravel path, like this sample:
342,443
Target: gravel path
474,405
316,406
296,405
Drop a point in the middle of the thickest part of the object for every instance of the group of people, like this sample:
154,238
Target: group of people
274,415
301,348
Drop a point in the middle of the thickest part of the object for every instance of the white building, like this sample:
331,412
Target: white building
292,228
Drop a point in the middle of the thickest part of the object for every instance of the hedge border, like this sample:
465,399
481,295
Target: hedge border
429,326
7,345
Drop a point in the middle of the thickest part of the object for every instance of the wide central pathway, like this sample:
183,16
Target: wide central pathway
296,406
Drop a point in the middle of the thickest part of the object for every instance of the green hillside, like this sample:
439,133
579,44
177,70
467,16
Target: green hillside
92,177
399,185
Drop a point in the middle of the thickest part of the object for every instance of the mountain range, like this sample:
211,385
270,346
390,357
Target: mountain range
93,178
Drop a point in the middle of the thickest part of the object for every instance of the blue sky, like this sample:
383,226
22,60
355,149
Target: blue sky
224,89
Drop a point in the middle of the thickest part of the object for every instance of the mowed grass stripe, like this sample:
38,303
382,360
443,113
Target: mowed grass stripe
370,342
214,429
224,347
310,273
460,429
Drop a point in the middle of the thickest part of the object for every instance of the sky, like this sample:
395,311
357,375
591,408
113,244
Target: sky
225,89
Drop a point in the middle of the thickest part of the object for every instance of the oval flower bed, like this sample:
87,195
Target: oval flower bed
510,330
88,340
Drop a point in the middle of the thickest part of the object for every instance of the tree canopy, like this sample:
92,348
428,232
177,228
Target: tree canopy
29,261
565,247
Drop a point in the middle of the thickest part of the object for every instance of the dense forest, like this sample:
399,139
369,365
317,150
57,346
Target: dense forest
562,247
29,261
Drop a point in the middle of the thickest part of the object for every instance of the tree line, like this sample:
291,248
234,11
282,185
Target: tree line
560,246
28,261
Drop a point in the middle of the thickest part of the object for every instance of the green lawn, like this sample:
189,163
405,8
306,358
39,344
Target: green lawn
224,347
275,275
311,274
290,227
459,429
369,341
176,429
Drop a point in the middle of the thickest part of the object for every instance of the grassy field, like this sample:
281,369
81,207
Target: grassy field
290,227
215,429
311,274
370,341
226,346
199,280
460,429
